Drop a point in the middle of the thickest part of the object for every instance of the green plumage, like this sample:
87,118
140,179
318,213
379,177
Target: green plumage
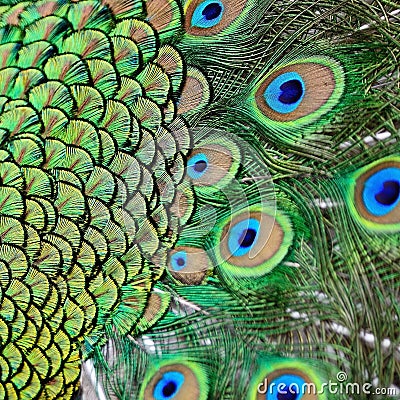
198,199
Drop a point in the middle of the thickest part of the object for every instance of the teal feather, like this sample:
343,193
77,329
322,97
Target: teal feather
199,198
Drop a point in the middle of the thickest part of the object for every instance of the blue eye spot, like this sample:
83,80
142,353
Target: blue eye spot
288,394
285,93
212,11
169,389
292,92
200,166
197,166
168,386
179,261
389,194
208,14
381,193
286,387
247,238
243,236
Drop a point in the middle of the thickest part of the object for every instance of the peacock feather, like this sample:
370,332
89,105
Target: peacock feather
199,199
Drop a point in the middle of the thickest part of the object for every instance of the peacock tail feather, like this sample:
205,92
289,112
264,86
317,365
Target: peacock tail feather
199,199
